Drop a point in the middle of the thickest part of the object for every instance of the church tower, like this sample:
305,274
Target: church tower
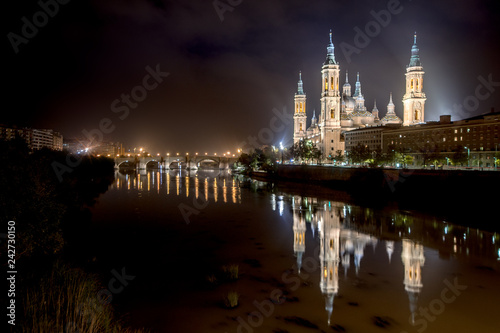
299,116
414,98
329,120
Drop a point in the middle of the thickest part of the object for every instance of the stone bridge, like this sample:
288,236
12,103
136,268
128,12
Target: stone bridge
175,162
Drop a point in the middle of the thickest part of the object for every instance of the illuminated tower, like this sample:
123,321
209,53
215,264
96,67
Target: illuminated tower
414,98
347,86
299,117
413,259
390,117
329,120
329,257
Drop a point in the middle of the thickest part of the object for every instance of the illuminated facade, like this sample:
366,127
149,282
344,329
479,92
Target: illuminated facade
414,98
36,139
342,111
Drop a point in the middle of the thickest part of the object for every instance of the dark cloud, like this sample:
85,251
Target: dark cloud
227,76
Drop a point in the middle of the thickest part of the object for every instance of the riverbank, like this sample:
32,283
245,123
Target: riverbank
467,197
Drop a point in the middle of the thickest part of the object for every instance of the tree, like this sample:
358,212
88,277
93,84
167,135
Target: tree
359,154
459,156
338,157
305,150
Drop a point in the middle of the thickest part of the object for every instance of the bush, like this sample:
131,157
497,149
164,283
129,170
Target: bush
66,300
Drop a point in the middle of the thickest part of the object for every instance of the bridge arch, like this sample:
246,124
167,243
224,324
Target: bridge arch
126,164
208,163
153,164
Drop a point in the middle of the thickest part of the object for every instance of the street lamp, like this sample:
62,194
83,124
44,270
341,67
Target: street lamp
281,147
468,156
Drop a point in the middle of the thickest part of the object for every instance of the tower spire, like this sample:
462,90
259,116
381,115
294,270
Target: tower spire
415,58
357,91
300,88
330,56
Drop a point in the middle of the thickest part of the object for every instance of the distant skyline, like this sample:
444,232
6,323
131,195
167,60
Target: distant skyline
206,75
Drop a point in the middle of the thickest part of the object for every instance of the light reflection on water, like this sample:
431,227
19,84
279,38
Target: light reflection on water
338,234
214,184
345,231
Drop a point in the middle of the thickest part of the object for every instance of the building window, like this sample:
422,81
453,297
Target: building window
332,113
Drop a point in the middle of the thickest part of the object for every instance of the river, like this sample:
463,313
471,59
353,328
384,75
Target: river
306,259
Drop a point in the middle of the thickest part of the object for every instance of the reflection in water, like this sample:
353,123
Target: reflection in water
344,231
341,232
413,260
212,184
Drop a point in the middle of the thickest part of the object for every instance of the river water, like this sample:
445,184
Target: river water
308,259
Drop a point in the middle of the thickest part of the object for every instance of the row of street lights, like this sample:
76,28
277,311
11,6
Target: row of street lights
227,154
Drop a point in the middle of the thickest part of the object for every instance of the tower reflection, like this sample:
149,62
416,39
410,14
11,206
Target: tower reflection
413,259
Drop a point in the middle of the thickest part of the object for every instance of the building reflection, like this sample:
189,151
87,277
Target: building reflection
337,242
413,259
344,232
329,256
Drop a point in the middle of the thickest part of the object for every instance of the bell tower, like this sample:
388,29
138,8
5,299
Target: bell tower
299,116
414,98
329,120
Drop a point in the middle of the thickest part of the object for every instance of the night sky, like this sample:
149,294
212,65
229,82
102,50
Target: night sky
228,70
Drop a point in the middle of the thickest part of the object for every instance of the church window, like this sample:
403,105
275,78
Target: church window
300,127
331,83
411,84
300,106
331,243
417,84
332,113
326,84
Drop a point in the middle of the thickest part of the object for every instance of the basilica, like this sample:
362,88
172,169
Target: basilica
343,111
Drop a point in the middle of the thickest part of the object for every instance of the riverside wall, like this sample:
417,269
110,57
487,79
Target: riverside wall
397,182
